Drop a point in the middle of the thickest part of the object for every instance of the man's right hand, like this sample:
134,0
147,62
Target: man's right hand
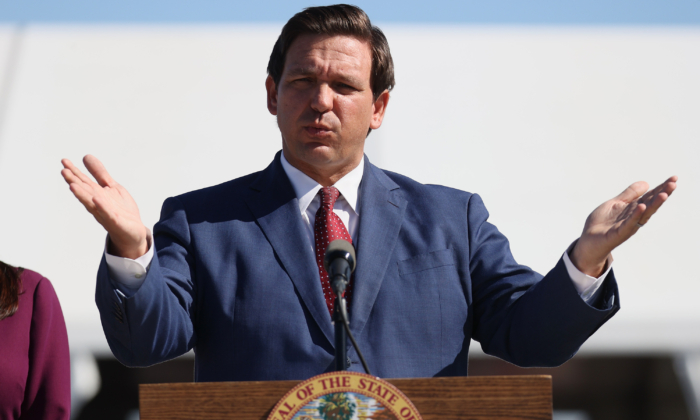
111,205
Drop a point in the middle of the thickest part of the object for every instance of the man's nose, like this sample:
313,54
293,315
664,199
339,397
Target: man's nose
323,99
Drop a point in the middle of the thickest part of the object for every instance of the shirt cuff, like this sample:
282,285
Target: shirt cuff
127,272
585,285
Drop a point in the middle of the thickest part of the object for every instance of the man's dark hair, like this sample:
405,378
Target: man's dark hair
338,19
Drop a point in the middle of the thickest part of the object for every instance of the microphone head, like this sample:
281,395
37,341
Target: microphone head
340,248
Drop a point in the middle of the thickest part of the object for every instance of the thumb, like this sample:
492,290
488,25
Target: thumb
98,170
633,192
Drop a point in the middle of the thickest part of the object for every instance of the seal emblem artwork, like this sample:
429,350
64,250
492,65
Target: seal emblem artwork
344,396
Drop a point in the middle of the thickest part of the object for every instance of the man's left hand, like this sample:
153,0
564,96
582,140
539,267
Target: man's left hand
615,221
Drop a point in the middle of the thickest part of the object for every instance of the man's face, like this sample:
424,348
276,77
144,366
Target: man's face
324,104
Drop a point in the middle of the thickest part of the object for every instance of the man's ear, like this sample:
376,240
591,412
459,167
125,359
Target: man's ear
378,110
271,95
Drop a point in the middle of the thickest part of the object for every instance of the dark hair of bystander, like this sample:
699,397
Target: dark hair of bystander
10,283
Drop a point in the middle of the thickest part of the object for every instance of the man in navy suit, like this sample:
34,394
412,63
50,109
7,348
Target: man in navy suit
231,270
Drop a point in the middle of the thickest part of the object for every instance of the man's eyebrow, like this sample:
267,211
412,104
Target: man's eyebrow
311,71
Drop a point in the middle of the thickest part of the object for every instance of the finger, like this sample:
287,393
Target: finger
653,207
633,221
84,196
77,172
69,177
98,170
649,195
633,192
670,185
665,188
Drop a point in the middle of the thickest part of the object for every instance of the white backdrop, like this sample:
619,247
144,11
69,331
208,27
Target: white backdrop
545,123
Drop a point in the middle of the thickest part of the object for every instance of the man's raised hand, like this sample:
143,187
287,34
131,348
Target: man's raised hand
111,205
615,221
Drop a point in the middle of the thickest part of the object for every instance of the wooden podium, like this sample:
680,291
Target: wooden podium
473,397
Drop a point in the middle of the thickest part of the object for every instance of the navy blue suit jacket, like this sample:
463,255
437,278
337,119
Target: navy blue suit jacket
234,277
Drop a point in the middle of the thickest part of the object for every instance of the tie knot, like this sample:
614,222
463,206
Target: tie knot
328,196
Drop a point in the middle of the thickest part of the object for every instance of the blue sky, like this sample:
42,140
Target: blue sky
517,12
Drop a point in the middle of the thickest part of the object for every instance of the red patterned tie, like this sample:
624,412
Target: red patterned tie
327,228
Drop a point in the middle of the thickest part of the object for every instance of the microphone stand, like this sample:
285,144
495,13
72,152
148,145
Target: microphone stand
339,316
342,327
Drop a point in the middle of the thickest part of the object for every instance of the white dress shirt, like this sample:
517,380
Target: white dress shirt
130,274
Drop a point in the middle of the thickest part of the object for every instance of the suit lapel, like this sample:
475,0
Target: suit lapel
276,209
381,214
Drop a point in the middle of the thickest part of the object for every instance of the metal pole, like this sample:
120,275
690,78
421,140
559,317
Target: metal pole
341,355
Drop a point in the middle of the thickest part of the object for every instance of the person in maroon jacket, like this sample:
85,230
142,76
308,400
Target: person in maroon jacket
34,358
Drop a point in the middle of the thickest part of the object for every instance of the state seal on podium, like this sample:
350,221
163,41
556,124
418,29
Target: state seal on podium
344,395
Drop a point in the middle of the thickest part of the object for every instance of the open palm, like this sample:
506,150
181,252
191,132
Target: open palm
615,221
110,204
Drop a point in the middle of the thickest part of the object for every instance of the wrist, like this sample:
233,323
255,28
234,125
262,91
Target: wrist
133,249
587,262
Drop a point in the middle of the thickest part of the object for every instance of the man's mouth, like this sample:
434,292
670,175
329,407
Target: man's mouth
318,130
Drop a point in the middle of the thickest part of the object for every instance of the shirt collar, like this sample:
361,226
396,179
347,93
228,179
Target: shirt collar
306,188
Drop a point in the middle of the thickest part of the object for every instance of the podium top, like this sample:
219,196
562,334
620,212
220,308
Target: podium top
473,397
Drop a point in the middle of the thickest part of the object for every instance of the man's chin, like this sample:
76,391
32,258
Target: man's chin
318,156
320,160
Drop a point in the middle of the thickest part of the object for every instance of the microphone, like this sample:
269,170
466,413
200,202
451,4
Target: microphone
339,262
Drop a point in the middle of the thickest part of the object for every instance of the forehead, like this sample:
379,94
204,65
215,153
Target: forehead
326,53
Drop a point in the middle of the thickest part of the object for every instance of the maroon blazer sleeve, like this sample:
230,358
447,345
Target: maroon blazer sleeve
47,393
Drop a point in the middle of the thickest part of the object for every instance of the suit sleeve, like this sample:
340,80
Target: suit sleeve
47,392
156,323
520,316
